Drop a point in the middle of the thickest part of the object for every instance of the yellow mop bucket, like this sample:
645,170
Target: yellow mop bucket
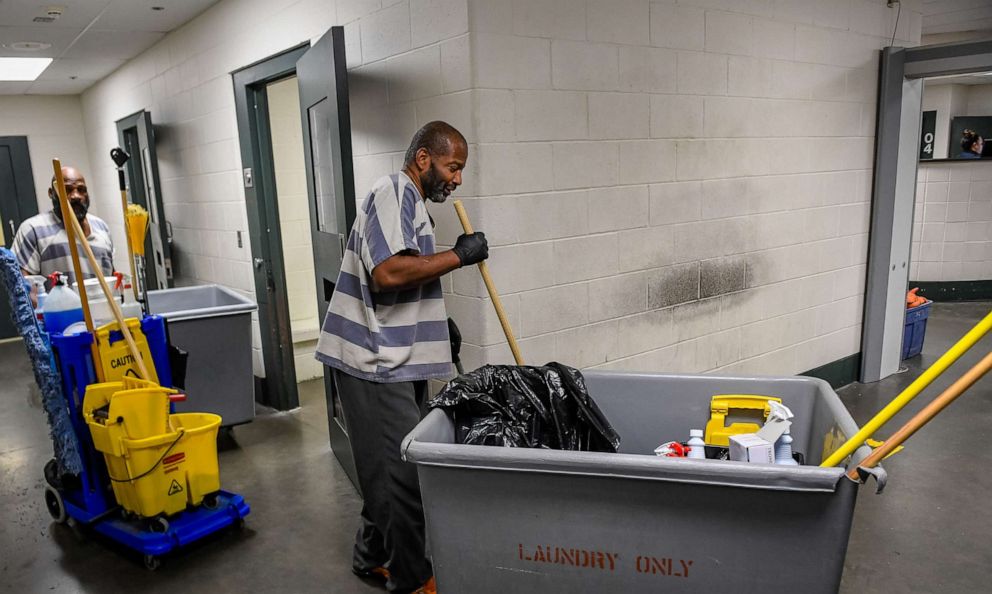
158,463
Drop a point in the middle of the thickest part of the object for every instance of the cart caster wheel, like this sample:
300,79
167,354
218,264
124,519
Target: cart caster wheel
159,524
152,562
55,505
239,524
211,501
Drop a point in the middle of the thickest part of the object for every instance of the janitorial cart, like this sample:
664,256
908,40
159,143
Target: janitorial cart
126,465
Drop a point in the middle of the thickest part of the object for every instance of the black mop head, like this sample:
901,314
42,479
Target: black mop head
45,371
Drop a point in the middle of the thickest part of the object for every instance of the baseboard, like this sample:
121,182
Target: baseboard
838,373
980,290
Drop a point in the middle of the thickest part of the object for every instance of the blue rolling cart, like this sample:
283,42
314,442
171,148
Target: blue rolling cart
88,499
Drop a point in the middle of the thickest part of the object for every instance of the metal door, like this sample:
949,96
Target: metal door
17,202
323,79
137,136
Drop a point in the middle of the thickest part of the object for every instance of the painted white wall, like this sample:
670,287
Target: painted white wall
952,230
54,127
950,101
979,100
674,186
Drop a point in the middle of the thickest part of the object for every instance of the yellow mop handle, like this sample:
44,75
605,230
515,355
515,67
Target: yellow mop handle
934,371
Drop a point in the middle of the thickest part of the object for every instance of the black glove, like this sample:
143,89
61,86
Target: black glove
471,249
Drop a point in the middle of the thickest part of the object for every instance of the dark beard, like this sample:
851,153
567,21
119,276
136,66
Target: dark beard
433,186
80,209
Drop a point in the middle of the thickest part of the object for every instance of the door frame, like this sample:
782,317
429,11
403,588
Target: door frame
140,123
897,137
278,388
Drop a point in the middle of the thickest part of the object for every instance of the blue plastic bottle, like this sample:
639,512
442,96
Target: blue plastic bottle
62,307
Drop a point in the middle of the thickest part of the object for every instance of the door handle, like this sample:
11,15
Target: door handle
259,262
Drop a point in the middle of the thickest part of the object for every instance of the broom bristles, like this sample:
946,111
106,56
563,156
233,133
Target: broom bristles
137,227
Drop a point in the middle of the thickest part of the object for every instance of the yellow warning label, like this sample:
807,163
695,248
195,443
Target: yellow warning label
175,487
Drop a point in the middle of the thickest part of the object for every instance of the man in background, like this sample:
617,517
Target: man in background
41,244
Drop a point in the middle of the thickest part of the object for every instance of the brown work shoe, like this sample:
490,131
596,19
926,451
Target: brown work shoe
377,573
427,588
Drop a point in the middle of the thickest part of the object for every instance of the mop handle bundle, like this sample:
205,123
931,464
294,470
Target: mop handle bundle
493,295
120,158
69,218
912,391
925,416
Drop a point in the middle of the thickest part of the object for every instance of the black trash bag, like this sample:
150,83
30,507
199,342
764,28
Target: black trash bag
526,407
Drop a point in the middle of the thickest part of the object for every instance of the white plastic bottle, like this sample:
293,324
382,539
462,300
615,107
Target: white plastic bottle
62,307
783,450
129,307
696,444
38,282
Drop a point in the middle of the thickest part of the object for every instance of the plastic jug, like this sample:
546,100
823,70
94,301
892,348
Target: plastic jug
62,306
99,308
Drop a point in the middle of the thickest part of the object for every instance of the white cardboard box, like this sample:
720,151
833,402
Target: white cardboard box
748,447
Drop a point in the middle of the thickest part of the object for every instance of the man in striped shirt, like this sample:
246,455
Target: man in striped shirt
385,335
41,244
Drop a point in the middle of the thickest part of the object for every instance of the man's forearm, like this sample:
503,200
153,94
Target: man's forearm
400,272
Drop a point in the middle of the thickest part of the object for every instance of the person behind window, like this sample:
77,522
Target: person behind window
971,145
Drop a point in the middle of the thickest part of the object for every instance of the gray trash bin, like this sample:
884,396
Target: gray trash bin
531,520
213,324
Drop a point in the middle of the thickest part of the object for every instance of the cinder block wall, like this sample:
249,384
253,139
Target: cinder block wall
952,229
54,127
670,185
677,186
395,51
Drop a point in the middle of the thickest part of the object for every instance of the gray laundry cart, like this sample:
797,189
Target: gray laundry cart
213,324
529,520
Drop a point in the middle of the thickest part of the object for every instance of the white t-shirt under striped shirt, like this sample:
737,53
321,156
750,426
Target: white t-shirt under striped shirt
394,336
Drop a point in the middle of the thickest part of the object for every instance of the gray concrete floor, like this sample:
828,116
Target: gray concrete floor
931,529
928,532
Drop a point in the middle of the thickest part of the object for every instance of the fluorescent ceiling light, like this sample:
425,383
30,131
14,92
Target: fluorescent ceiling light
22,68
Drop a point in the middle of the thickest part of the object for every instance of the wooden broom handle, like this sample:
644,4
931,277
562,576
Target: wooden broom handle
98,271
493,295
924,416
67,214
70,233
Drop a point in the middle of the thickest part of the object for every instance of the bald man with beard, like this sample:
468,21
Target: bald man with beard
41,244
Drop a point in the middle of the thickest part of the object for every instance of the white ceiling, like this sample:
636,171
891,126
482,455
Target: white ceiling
90,40
955,16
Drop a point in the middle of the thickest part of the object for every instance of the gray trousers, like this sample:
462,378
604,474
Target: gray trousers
378,417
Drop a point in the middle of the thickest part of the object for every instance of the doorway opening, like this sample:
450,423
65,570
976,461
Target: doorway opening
294,223
904,136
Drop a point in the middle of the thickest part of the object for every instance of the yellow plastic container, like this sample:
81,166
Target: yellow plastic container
116,359
158,463
718,432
